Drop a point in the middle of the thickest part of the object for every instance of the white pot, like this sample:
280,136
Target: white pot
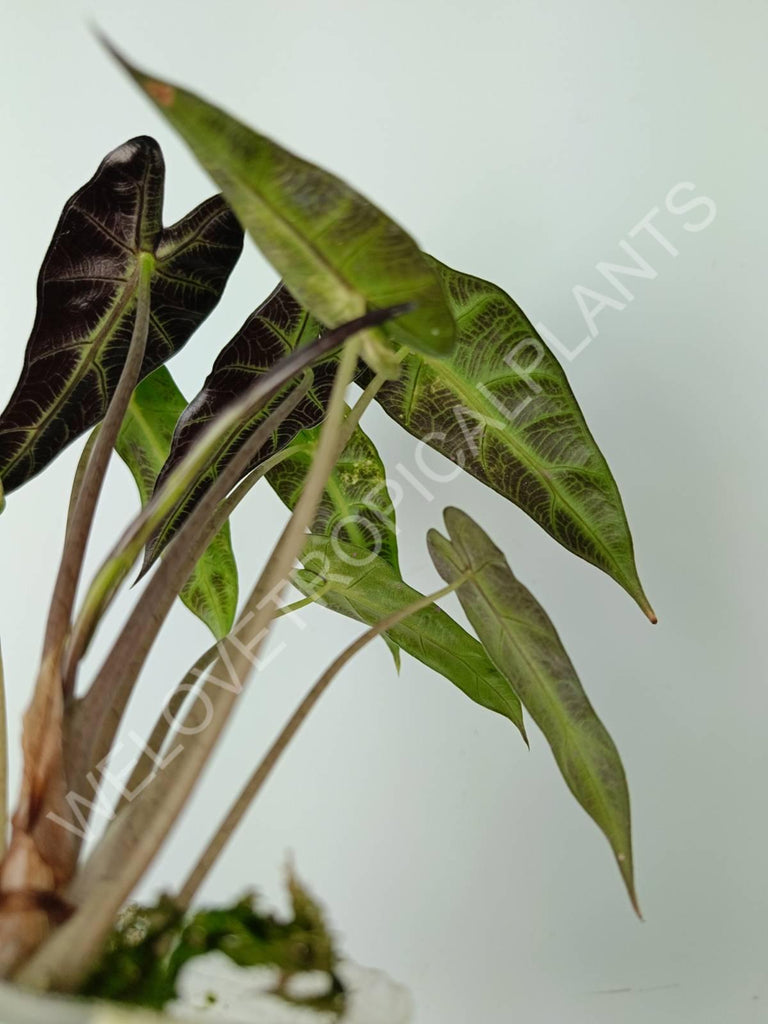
242,997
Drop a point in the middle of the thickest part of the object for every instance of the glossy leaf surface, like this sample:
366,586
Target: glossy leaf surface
501,407
273,331
143,444
523,644
335,250
86,301
363,586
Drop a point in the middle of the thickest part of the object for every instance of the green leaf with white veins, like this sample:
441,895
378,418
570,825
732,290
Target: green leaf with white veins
501,407
523,644
143,444
356,505
336,251
86,301
357,583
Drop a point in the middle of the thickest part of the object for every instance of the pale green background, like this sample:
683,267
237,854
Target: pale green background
520,141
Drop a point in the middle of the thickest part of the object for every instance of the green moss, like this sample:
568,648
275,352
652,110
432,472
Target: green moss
149,947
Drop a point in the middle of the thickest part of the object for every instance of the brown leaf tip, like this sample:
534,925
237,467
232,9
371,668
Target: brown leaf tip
160,92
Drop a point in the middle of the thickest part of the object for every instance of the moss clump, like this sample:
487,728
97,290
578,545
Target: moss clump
149,946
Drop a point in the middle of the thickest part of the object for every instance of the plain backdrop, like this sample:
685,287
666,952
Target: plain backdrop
521,141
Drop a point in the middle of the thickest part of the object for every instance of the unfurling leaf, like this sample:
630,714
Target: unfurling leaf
337,252
523,644
356,582
143,444
86,301
501,407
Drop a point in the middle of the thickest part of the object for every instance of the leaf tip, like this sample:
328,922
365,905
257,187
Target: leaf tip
161,92
632,585
109,46
635,904
645,606
627,873
146,566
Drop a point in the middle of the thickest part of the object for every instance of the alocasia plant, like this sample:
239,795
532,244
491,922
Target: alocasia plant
450,357
86,299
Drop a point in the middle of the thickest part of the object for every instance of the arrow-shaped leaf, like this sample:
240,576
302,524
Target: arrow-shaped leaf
143,444
336,251
501,407
524,646
86,301
273,331
356,582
